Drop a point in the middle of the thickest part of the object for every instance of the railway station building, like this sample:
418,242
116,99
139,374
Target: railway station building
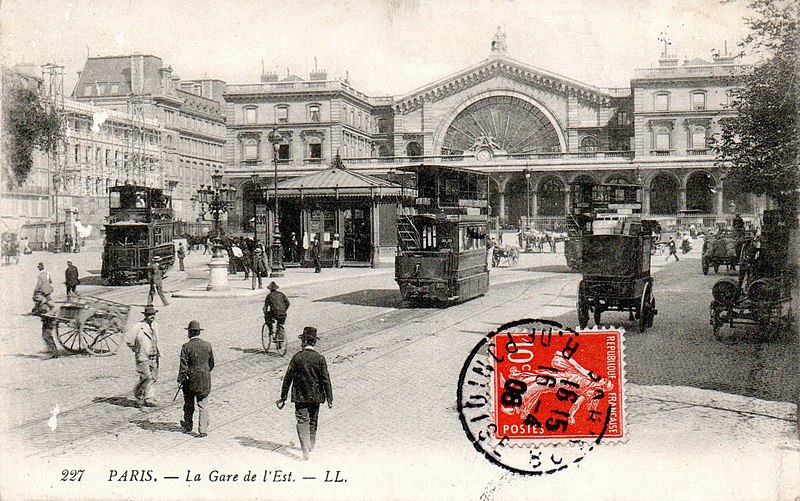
533,130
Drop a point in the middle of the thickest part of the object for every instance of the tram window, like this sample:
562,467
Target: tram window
472,237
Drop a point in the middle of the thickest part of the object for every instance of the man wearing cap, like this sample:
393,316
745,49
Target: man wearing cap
308,377
194,376
155,277
71,279
275,305
142,339
259,267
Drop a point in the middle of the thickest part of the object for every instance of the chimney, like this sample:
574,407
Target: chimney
269,77
318,75
137,74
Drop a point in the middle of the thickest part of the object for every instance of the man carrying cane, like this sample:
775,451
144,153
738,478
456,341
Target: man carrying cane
194,377
311,385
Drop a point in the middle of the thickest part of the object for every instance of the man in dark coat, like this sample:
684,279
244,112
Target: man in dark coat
194,376
71,279
156,277
181,256
316,253
275,305
311,385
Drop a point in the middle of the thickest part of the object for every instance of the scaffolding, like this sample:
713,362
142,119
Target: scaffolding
53,100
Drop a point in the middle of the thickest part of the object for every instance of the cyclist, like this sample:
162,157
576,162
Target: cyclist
275,306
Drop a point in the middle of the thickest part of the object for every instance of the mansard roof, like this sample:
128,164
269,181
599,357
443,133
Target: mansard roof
494,66
117,69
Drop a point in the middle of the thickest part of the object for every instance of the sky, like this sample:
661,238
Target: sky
384,47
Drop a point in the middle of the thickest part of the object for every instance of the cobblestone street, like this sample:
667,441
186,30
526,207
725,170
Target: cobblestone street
394,372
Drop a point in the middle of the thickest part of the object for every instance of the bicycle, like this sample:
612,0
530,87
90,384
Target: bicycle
276,336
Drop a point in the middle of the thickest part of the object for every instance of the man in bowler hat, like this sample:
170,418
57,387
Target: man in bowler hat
194,376
311,385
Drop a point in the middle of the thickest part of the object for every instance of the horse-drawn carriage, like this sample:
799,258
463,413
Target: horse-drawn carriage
616,274
89,324
724,248
762,294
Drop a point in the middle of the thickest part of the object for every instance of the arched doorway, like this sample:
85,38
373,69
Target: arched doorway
664,194
699,194
552,197
249,198
516,203
734,199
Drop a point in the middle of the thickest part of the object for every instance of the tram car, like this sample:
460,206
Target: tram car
442,232
590,202
139,229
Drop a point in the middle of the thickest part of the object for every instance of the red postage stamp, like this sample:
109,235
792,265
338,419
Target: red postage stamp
551,384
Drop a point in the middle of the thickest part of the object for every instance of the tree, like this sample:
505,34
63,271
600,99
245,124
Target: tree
759,148
26,125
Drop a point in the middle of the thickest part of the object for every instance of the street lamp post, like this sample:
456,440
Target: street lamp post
216,199
277,248
254,180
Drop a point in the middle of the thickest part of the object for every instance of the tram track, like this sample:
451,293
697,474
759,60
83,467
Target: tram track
73,421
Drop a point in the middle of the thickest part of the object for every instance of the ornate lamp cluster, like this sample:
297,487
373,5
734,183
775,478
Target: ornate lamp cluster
216,198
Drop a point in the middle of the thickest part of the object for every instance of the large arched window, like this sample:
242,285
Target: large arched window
700,192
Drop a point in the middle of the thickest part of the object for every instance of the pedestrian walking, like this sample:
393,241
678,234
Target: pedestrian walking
71,279
308,377
44,287
156,278
142,339
673,248
259,267
194,377
247,257
275,305
316,253
181,256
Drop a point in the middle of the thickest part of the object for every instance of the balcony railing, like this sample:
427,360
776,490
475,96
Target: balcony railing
711,70
625,155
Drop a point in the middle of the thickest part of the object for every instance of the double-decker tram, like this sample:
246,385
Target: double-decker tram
139,230
441,235
597,206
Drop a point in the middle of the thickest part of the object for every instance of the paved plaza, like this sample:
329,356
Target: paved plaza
696,406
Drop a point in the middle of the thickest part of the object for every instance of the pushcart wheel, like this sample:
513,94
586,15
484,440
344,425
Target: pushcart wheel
101,334
705,266
69,335
644,307
597,314
583,308
266,339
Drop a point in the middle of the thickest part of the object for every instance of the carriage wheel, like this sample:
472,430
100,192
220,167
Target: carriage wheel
705,266
69,336
266,339
513,259
583,308
102,334
645,308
